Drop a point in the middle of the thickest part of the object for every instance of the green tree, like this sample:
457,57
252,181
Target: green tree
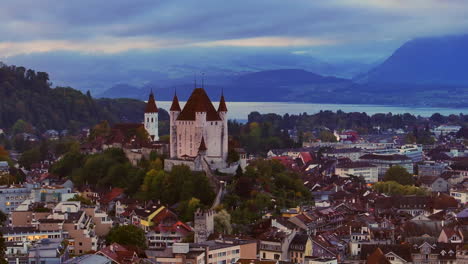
233,156
400,175
127,235
83,200
30,157
222,222
21,126
327,136
394,188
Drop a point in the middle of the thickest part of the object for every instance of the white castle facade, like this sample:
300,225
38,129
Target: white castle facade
198,131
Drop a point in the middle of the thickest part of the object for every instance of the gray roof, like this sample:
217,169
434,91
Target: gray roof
89,259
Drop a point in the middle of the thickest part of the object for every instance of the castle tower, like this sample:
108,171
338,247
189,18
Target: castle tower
174,112
151,118
203,225
222,111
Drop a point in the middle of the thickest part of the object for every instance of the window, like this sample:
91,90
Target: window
264,255
80,243
277,256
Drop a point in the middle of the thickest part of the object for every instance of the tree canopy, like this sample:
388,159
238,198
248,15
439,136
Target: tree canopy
127,235
400,175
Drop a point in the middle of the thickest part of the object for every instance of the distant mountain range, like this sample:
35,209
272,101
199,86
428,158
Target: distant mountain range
433,61
424,72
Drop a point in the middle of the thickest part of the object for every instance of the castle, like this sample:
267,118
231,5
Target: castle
198,131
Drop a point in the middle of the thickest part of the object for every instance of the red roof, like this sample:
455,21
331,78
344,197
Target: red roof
202,145
222,105
175,104
306,157
199,102
119,253
114,193
151,105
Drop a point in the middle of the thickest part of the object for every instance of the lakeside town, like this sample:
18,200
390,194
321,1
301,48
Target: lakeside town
197,188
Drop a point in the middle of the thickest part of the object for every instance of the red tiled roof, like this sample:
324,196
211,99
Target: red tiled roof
222,105
114,193
199,102
151,105
175,104
119,253
306,157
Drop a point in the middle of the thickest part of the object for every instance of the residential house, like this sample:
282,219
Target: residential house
452,235
435,184
166,229
299,248
119,254
48,251
274,244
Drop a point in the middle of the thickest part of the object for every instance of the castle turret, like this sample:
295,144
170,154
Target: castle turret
202,148
222,111
174,112
151,118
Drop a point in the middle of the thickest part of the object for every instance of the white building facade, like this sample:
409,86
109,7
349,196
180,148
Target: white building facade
151,118
199,128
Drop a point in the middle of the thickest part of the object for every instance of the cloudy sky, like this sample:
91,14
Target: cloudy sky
327,29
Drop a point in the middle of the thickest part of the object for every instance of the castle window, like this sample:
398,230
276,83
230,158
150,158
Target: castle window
152,119
216,123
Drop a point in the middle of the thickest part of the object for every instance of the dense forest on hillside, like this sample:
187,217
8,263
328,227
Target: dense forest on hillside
28,95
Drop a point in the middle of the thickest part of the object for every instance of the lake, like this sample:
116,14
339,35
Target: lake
240,110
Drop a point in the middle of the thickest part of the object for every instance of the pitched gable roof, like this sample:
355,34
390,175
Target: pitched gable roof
175,104
199,102
222,105
377,258
151,105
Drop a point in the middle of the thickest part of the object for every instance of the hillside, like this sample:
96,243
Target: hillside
28,95
433,61
271,85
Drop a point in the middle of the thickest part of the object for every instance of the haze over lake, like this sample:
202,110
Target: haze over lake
241,110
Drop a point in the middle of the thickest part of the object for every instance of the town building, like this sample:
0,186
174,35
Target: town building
461,195
12,196
48,251
369,172
445,130
414,152
384,162
431,168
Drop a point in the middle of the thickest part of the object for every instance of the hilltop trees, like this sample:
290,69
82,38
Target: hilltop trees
266,185
400,175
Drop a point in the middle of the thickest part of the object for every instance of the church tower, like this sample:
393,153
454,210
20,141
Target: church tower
174,112
222,111
151,118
